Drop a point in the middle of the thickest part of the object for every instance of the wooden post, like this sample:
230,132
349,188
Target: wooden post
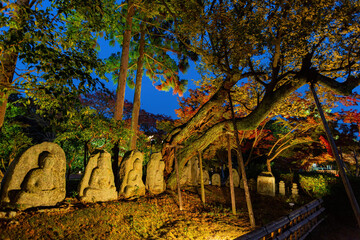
201,179
231,180
178,179
339,162
242,167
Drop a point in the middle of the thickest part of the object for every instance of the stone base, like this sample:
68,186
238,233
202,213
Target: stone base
24,200
99,195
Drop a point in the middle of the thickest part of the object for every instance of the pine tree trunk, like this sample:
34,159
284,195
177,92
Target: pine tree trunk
137,94
124,62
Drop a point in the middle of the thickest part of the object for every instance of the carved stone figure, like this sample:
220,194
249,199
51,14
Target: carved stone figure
216,180
191,173
98,182
130,174
205,177
155,182
37,178
236,179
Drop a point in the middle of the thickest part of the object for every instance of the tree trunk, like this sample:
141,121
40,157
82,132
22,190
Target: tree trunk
86,150
124,62
201,179
268,165
7,67
231,180
356,164
137,94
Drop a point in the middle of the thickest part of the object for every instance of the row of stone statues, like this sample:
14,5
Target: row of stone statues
37,178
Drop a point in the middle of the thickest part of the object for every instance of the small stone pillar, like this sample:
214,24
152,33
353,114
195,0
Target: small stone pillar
282,188
294,190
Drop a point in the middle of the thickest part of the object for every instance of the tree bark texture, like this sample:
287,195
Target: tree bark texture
137,94
124,62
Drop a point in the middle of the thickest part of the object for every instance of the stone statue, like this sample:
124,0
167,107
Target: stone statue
216,180
191,173
37,178
98,182
236,179
155,182
206,177
130,174
41,179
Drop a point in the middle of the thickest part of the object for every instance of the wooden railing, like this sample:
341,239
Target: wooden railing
297,225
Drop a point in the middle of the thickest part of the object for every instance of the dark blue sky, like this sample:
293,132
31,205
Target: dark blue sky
155,101
152,100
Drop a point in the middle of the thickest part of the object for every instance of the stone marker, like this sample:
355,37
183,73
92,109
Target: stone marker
282,188
266,184
37,178
236,179
97,183
216,180
191,173
155,182
294,190
130,174
206,177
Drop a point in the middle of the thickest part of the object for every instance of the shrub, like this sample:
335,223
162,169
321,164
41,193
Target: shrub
288,178
317,185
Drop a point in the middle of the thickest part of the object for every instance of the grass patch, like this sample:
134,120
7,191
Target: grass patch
146,218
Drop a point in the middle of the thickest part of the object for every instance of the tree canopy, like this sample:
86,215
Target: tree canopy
277,46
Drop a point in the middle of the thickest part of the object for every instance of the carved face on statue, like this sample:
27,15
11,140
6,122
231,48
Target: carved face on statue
46,160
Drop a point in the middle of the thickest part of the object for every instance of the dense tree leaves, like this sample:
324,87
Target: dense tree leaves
51,44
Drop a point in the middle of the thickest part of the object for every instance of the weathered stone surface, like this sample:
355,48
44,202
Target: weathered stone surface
155,182
236,179
216,180
266,184
206,177
282,188
37,178
130,174
97,183
191,173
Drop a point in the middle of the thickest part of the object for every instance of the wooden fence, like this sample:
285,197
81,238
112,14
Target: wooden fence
297,225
